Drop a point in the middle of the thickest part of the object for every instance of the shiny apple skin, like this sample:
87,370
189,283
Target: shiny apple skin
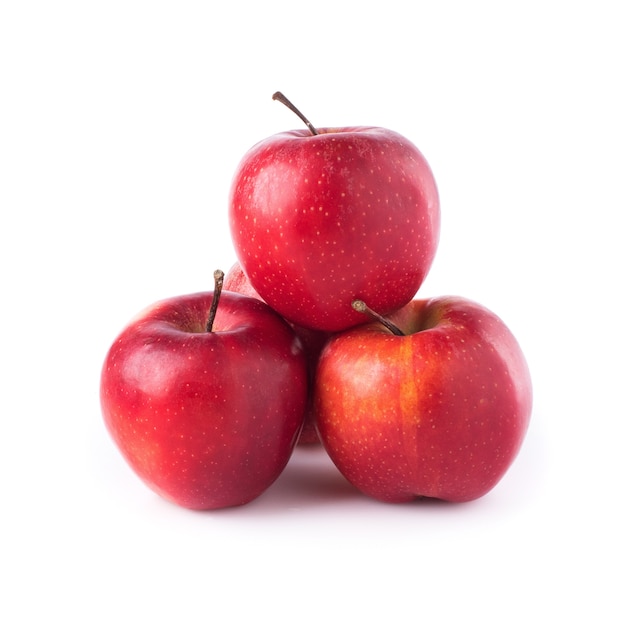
313,342
318,220
206,419
439,413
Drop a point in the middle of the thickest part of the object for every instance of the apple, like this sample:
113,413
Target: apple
435,404
312,340
318,216
206,402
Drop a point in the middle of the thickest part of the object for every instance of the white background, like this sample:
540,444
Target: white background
121,123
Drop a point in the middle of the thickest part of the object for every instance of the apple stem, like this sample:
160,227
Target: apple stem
281,98
361,307
218,277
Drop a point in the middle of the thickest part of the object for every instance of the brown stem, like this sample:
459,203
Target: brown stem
218,277
361,307
281,98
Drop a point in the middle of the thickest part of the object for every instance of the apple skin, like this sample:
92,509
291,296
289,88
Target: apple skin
319,220
313,341
206,419
438,413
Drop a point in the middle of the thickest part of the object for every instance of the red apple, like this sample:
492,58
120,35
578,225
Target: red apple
312,340
440,411
206,414
318,216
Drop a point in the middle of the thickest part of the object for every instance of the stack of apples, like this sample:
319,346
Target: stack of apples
316,337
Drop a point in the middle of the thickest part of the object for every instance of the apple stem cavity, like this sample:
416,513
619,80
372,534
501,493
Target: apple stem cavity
361,307
282,98
218,277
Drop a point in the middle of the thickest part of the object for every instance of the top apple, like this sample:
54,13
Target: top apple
320,217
